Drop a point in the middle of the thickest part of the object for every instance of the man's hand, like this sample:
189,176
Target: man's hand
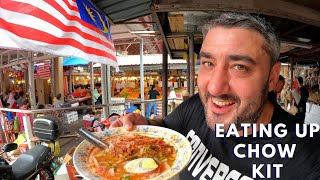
129,120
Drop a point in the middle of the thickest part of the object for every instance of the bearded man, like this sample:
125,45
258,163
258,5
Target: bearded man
237,70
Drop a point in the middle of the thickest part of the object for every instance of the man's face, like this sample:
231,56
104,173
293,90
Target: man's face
233,79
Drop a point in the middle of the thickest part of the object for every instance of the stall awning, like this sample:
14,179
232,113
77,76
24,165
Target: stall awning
74,61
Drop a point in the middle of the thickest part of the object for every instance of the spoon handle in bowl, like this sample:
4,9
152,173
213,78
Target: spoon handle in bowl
93,137
89,139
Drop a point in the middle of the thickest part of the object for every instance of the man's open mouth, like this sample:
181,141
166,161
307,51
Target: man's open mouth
222,104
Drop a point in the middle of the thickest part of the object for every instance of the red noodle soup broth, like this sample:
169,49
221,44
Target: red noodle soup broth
109,164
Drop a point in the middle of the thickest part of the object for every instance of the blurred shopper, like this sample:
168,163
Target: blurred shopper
21,98
152,105
58,103
20,115
172,98
301,105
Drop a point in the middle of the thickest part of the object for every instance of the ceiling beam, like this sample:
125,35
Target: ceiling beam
294,30
182,34
159,25
132,42
126,22
278,8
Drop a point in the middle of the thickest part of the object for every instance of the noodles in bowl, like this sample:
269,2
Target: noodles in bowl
110,164
148,152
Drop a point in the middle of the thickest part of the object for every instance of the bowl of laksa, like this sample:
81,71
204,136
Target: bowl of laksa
147,152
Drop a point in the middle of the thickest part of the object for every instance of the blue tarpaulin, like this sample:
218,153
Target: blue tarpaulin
74,61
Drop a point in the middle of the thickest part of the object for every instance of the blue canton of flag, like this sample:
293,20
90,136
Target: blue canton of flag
93,16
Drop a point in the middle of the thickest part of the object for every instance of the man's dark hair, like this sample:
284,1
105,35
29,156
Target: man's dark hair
152,87
41,106
250,22
300,80
58,96
281,78
21,93
25,102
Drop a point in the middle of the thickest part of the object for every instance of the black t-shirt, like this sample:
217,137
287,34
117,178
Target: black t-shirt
272,97
153,94
214,158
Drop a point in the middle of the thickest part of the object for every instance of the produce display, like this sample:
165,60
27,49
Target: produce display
134,93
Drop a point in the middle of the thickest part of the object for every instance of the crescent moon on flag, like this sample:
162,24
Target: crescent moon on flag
89,11
105,29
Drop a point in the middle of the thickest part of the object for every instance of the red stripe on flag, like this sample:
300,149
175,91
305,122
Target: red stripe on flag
70,6
37,35
11,6
44,71
75,18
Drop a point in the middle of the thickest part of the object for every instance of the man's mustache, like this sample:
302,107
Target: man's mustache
225,97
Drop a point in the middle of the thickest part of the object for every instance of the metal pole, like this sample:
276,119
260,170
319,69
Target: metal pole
108,86
191,63
188,73
28,130
291,71
164,81
53,80
142,78
70,80
26,119
1,76
104,89
31,83
92,83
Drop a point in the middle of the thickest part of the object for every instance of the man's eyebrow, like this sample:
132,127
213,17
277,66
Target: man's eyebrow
205,55
242,58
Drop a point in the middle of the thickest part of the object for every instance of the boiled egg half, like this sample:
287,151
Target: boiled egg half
140,165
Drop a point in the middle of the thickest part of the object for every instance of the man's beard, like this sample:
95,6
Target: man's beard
250,113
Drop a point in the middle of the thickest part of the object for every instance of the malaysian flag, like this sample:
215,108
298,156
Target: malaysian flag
42,70
59,27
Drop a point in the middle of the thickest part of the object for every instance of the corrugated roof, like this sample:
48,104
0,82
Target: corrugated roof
124,10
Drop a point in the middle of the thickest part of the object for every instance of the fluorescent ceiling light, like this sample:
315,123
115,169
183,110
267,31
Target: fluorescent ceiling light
305,40
39,64
306,46
144,32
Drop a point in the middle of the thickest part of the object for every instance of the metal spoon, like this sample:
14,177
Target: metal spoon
87,135
133,166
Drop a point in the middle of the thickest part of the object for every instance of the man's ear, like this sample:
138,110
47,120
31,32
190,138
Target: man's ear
274,75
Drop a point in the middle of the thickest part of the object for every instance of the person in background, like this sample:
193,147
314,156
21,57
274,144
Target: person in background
272,95
21,99
152,105
238,67
172,98
4,98
11,99
16,96
20,115
10,117
301,105
40,106
58,103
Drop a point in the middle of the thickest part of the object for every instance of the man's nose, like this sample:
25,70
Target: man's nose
219,82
